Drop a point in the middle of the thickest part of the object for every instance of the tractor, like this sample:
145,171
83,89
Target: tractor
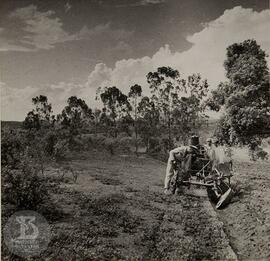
202,173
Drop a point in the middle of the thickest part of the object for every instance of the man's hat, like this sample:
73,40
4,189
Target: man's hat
194,140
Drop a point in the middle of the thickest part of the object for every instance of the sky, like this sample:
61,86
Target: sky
72,47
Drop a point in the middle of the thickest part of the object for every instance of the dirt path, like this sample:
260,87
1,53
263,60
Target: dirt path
116,211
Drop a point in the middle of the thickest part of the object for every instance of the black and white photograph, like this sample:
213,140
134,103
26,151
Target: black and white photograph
135,130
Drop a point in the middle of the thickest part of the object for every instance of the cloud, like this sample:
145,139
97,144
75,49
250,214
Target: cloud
206,56
16,103
151,2
104,29
67,7
133,3
43,30
208,50
9,45
59,93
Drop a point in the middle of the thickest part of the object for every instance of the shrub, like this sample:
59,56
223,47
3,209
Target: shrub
49,145
50,140
61,149
261,154
24,187
154,145
124,144
97,141
110,145
12,145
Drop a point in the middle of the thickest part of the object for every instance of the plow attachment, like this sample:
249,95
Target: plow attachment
225,199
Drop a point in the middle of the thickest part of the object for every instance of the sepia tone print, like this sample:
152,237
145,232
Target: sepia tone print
135,130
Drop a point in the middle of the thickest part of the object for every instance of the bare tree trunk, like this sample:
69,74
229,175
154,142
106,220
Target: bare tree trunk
136,130
148,145
114,123
95,127
169,130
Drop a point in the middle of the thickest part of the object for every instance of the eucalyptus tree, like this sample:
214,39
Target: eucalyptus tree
41,115
116,105
166,87
134,94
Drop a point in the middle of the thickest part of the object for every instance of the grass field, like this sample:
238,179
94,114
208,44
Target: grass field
116,210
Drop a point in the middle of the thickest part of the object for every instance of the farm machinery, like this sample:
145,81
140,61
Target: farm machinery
201,172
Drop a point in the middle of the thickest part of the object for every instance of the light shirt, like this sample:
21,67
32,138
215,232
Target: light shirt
179,153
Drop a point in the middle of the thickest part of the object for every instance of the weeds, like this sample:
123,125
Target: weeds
109,211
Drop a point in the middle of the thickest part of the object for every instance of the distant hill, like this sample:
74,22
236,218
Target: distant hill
11,124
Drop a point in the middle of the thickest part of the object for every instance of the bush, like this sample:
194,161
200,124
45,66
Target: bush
110,145
154,145
24,187
125,144
97,141
12,145
261,154
50,140
49,145
61,149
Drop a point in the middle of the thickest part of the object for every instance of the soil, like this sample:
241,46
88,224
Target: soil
116,210
247,218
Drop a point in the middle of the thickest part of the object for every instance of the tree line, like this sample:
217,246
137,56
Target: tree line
176,106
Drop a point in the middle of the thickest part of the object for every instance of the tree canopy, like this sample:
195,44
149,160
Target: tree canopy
245,96
40,115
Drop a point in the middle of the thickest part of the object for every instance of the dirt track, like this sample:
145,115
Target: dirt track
121,213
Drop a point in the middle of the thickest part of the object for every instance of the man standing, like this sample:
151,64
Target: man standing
209,148
219,158
179,154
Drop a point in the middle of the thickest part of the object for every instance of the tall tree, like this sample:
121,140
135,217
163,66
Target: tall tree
96,117
40,115
116,104
245,97
148,120
134,94
188,114
43,108
166,86
75,115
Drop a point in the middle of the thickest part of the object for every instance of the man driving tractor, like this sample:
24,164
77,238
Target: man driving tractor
180,154
199,165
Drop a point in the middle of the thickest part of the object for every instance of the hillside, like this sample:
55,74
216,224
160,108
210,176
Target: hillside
11,124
